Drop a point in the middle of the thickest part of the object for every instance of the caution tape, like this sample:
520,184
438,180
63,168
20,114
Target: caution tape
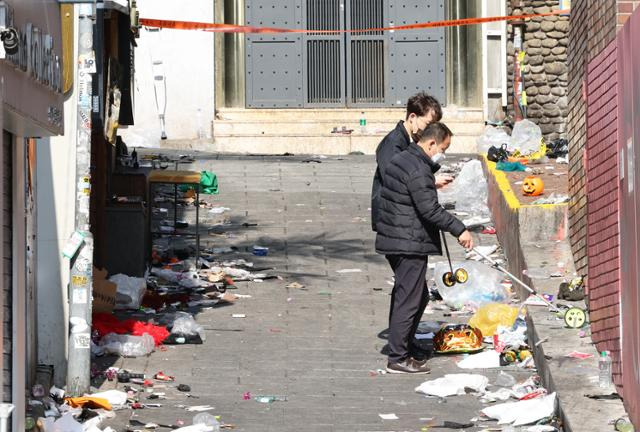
230,28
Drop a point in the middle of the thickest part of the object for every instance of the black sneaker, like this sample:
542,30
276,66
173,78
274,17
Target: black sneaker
409,366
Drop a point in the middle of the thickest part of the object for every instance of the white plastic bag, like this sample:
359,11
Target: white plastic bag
130,291
185,324
127,345
484,360
525,137
523,412
453,384
484,285
492,136
468,191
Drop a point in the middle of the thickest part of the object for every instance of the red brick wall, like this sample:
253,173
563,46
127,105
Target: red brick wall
602,188
593,25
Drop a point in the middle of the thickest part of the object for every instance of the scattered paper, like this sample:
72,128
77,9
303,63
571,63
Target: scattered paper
388,416
453,384
238,315
523,412
349,271
483,360
579,355
199,408
219,210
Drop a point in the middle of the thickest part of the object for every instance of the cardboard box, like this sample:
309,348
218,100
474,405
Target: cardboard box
104,292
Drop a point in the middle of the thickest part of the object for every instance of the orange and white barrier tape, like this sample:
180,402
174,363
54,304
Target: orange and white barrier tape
230,28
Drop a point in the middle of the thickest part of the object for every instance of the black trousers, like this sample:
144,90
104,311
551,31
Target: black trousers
409,299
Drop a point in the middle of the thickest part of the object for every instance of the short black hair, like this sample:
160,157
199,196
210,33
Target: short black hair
437,131
420,105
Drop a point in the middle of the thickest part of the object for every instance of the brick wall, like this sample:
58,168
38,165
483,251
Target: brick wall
602,18
602,210
592,27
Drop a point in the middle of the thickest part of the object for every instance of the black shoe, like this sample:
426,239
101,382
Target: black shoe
409,366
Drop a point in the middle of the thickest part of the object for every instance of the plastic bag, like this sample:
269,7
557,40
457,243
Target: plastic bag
453,384
184,324
526,137
469,190
484,286
130,291
492,136
523,412
490,316
127,345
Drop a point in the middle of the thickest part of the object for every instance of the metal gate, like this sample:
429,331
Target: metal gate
360,69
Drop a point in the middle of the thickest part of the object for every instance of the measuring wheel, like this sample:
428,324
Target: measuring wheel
575,317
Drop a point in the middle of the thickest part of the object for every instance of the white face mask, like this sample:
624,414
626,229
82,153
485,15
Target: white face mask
438,157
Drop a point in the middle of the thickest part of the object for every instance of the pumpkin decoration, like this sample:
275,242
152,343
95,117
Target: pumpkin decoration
457,338
532,186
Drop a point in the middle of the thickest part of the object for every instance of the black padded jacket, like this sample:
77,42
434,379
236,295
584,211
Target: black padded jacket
396,141
410,217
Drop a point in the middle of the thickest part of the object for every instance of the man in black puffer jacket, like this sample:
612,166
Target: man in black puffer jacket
409,225
422,109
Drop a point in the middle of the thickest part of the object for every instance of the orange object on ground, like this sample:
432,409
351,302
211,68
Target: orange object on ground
522,160
532,186
88,402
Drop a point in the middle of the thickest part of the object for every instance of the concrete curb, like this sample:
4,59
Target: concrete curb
534,237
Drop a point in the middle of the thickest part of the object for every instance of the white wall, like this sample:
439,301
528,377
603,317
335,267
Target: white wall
188,66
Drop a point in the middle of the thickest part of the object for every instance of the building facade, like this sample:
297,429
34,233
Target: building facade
32,107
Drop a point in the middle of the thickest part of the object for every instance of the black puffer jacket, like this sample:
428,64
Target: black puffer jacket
410,218
396,141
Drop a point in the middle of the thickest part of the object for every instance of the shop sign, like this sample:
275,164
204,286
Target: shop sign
36,55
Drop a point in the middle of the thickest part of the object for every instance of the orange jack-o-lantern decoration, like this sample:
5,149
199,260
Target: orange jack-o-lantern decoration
458,338
532,186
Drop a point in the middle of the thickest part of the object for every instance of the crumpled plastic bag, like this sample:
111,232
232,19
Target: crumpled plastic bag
484,286
490,316
184,279
512,338
525,137
468,191
453,384
127,345
130,291
484,360
185,324
523,412
492,136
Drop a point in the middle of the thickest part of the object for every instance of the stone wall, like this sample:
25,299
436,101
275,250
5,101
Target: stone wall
545,70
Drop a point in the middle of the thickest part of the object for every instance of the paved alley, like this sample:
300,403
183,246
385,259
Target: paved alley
318,346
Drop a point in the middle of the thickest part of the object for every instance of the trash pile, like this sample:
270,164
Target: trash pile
467,194
50,410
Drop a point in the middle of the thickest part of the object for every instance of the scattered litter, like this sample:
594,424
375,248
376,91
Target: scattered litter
483,286
455,425
127,345
484,360
184,388
553,199
505,380
238,315
522,412
130,291
116,398
579,355
354,270
389,417
219,210
468,191
492,315
295,285
270,399
199,408
453,384
260,250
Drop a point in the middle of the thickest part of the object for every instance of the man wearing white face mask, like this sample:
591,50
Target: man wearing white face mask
422,109
408,232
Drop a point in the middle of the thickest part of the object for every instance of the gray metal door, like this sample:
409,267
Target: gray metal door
324,61
274,63
366,53
416,57
368,69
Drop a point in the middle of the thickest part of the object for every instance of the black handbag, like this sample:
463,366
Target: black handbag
495,154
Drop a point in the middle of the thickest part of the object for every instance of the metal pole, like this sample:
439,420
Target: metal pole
79,356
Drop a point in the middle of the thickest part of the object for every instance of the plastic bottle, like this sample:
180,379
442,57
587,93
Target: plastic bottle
207,420
363,123
604,364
